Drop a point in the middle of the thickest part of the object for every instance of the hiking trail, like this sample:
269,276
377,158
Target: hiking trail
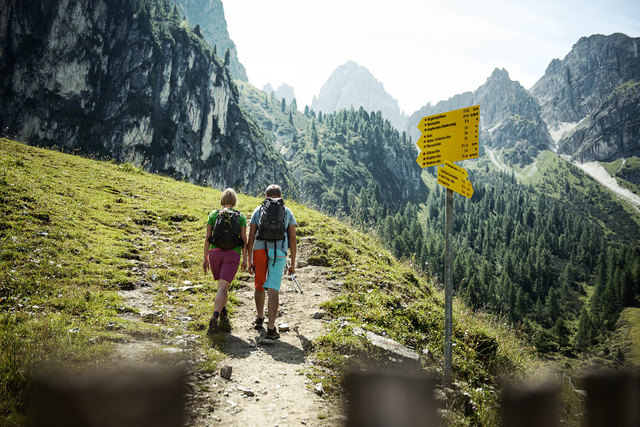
268,385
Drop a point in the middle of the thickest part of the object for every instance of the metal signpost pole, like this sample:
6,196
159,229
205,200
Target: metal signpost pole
447,138
448,288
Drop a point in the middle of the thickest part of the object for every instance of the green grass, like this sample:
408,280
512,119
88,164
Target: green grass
629,328
74,232
391,298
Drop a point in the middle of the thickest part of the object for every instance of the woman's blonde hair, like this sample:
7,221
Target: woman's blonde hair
228,197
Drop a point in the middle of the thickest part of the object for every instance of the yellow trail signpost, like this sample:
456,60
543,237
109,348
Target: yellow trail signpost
453,136
447,138
454,177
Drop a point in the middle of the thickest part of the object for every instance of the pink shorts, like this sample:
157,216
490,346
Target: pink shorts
224,264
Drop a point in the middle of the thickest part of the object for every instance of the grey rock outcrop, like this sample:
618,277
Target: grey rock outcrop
577,85
611,131
104,78
389,347
509,117
353,86
209,15
284,91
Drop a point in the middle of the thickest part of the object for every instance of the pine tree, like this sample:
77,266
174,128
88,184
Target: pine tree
227,58
345,200
561,331
584,333
552,306
175,15
314,134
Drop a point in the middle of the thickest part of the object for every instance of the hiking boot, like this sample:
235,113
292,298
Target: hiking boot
213,326
258,322
224,324
272,334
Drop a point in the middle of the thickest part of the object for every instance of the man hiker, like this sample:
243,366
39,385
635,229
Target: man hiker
225,241
272,231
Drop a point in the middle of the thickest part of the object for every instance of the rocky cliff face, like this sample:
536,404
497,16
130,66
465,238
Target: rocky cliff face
577,85
131,82
352,85
611,131
209,16
509,117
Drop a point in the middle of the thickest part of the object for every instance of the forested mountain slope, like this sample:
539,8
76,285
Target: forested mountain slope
348,161
537,252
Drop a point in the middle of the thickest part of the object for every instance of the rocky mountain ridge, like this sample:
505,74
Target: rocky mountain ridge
209,16
131,81
509,117
610,132
353,86
589,99
585,106
284,91
575,86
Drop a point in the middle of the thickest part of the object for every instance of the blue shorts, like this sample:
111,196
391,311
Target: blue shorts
269,274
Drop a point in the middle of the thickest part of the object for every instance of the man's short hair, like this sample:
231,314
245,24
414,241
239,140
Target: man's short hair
228,197
273,191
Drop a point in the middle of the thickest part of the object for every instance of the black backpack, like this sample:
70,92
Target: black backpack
271,225
226,231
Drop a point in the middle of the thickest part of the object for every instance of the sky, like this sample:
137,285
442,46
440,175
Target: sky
422,51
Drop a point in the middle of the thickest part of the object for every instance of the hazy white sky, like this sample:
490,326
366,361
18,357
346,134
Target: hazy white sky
421,50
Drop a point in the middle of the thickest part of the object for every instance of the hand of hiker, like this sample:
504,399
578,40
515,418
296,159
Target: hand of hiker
292,269
252,268
243,265
205,265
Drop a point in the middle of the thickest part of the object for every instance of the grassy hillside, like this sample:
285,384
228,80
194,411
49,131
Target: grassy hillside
557,178
74,232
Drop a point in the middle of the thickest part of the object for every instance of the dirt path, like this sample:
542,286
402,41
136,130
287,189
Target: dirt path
268,384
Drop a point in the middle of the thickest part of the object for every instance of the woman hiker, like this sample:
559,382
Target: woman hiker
225,242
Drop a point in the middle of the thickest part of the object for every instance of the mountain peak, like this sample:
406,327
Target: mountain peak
353,86
575,86
351,64
500,73
284,91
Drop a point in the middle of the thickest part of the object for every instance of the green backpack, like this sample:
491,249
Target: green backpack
226,231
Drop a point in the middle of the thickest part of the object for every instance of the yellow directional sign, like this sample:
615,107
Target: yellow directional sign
454,178
452,122
453,136
455,152
459,171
